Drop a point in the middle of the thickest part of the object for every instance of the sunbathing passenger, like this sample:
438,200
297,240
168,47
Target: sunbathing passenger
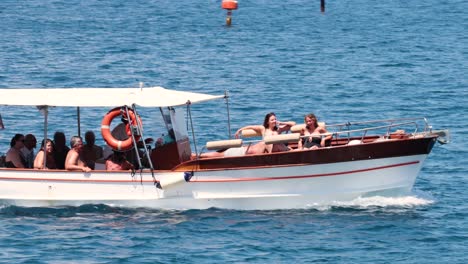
47,151
13,158
74,161
271,126
311,135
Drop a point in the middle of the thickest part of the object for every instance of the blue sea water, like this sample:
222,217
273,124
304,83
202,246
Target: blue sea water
359,60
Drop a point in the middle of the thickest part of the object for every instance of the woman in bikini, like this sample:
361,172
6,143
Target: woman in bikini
271,126
311,135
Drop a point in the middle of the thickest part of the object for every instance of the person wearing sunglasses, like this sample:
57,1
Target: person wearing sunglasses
13,158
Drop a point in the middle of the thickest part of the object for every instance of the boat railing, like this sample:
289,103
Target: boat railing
409,127
402,125
381,121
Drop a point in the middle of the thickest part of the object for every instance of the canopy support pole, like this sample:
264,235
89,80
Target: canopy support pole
46,115
140,130
1,123
226,97
191,125
135,146
78,120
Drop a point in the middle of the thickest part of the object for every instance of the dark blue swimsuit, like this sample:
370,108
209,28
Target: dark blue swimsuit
307,143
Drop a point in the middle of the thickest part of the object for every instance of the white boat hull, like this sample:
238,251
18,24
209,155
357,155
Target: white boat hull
277,187
362,158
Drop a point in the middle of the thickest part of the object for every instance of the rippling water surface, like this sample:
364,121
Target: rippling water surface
359,60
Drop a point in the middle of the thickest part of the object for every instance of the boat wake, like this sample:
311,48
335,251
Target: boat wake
372,202
376,202
406,201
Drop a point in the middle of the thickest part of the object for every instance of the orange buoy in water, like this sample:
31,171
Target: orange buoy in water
229,5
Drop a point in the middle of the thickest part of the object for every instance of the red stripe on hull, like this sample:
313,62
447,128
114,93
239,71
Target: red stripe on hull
217,180
309,176
73,180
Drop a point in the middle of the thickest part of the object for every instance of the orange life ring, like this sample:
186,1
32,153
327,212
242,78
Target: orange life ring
114,143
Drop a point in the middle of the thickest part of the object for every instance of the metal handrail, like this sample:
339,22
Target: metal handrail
375,128
349,132
379,121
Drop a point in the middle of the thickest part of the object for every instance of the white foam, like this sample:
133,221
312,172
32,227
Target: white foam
381,201
412,200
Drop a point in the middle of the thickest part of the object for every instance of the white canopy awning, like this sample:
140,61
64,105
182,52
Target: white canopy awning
101,97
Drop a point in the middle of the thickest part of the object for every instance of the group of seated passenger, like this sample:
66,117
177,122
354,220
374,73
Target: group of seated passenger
311,137
55,154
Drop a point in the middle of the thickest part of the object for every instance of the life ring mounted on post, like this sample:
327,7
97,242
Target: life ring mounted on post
111,141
